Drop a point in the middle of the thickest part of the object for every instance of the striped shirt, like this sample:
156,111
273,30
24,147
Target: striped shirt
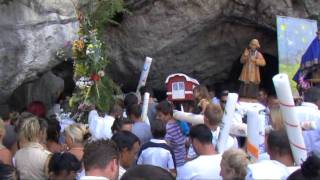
176,140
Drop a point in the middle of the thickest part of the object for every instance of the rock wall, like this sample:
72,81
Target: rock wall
201,38
31,32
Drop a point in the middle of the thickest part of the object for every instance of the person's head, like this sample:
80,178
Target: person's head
272,101
234,164
212,93
53,131
37,108
278,147
213,115
277,121
147,172
134,112
201,92
223,98
313,96
129,145
254,44
164,111
63,166
74,134
201,139
158,129
263,96
14,116
130,99
310,170
30,130
101,158
8,172
116,111
5,116
2,130
23,116
121,124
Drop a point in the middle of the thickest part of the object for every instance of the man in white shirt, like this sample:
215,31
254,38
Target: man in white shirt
207,164
278,167
101,160
212,118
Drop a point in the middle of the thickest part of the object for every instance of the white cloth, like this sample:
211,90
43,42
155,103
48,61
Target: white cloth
93,178
267,169
203,167
99,127
311,137
121,172
157,153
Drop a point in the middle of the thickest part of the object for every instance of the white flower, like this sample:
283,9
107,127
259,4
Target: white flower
101,73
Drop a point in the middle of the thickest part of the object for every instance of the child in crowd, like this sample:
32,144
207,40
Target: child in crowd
174,135
139,128
157,152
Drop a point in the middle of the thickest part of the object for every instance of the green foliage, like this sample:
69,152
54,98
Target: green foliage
94,87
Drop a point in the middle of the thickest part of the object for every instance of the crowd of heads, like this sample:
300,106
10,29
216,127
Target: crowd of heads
69,151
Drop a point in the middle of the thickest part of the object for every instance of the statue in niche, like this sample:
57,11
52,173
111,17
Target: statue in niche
251,59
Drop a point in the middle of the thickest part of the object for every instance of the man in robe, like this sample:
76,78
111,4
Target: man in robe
251,59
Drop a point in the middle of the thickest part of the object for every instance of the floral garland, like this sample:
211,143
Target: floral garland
93,86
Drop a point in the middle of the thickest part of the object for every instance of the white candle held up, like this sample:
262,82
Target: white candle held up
255,133
145,105
144,73
292,124
227,121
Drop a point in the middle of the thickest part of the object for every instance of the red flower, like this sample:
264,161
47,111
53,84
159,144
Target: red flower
95,77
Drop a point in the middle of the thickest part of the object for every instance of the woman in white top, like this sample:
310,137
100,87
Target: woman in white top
32,160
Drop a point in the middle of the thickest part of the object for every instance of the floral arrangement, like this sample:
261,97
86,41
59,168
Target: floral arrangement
93,87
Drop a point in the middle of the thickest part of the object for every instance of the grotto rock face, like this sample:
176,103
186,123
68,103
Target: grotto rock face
201,38
31,32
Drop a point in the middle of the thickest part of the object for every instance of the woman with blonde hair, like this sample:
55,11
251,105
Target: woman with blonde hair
276,119
74,138
202,97
234,165
32,160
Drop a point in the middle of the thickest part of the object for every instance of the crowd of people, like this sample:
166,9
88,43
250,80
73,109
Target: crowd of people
120,145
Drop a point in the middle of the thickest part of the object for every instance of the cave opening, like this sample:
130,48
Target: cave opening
266,73
48,88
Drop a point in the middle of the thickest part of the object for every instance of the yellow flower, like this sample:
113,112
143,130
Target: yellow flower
78,45
90,46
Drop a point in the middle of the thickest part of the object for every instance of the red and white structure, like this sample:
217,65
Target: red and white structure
179,87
